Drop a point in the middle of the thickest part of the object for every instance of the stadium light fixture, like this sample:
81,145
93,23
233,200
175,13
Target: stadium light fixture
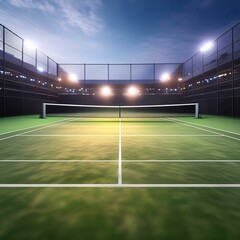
73,77
106,91
207,46
132,91
40,69
165,77
30,45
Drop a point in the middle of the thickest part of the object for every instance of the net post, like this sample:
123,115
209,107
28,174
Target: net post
44,110
196,110
119,112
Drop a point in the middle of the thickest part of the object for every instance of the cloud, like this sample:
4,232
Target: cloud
50,40
82,14
31,4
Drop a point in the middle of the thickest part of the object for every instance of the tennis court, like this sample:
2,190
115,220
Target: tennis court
144,178
122,152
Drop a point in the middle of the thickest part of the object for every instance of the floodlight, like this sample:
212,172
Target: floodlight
106,91
40,69
206,47
165,77
179,79
132,91
30,45
59,79
73,77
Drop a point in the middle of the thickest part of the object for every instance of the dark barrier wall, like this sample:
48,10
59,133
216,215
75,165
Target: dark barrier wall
27,76
122,100
213,77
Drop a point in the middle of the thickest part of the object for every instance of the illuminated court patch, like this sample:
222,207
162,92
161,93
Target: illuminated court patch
181,173
58,173
60,148
185,147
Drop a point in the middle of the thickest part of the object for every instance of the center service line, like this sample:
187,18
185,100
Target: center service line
120,154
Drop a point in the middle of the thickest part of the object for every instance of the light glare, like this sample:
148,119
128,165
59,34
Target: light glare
73,77
132,91
30,45
165,77
106,91
40,69
206,47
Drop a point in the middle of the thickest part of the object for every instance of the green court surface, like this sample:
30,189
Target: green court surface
166,178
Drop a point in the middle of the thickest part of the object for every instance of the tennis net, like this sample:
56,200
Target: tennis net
138,111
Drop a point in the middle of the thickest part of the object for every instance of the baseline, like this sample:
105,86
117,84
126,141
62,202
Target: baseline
114,161
119,185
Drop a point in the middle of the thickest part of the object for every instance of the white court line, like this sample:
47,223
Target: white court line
69,135
120,154
119,185
171,135
218,129
201,128
48,125
180,161
116,135
21,129
117,161
58,161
